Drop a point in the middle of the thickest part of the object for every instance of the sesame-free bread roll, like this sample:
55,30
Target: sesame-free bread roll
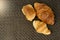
29,12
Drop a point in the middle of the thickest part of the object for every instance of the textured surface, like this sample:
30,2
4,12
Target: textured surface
14,26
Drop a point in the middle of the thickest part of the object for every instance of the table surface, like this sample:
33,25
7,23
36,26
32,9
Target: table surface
14,26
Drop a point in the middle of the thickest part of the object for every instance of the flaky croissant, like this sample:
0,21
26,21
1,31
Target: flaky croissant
41,27
44,13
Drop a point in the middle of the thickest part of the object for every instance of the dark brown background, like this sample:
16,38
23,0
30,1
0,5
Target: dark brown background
14,26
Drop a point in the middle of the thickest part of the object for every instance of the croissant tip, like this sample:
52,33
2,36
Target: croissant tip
52,23
48,33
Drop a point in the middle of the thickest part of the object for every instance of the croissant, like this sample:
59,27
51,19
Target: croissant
29,12
44,13
41,27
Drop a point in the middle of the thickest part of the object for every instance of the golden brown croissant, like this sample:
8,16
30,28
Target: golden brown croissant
29,12
44,13
41,27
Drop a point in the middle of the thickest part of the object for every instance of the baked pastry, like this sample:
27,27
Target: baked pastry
29,12
41,27
44,13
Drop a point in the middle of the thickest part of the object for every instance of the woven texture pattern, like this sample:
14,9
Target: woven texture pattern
14,26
